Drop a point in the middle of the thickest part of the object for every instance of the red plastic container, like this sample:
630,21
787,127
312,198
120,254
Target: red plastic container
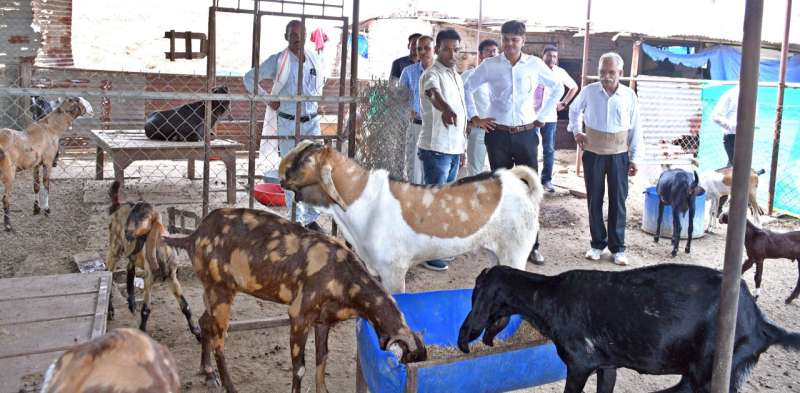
269,194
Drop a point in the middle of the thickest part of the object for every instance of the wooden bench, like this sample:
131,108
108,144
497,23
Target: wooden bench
126,146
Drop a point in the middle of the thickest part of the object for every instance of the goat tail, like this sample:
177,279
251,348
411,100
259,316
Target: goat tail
113,192
531,178
786,339
185,243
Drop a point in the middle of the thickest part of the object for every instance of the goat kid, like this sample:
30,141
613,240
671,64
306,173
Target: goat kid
678,189
761,244
122,361
394,225
186,122
34,148
655,320
268,257
132,234
717,185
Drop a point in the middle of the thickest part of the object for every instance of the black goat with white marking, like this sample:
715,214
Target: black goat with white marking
655,320
678,189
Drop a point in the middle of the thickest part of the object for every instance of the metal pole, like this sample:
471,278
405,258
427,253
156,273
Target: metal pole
478,36
351,138
298,107
255,133
743,154
211,80
584,66
773,174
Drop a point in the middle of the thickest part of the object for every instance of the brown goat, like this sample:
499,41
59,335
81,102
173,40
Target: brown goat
122,361
33,148
268,257
133,225
761,244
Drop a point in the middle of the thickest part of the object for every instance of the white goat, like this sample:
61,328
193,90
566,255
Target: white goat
393,225
717,183
36,147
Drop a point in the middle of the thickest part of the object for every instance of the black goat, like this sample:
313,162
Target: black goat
678,189
655,320
186,122
761,244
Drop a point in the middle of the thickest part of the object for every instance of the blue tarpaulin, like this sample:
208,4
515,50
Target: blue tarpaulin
725,63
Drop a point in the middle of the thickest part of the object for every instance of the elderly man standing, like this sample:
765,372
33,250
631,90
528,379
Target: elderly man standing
444,118
282,69
476,148
511,137
611,116
409,78
548,132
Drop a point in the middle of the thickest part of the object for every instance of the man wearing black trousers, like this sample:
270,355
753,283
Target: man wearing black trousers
611,115
511,136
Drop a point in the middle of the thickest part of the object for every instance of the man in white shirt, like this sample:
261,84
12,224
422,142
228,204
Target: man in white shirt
610,112
511,137
444,118
282,69
476,149
548,132
724,114
409,78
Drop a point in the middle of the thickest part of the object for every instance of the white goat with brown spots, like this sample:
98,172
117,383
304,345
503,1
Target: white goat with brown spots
394,225
34,148
268,257
122,361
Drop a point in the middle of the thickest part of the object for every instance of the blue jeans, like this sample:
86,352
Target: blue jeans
548,133
438,168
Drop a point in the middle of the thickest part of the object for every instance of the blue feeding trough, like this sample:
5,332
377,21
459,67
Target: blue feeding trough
438,316
650,216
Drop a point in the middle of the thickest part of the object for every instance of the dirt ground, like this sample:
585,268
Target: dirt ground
259,360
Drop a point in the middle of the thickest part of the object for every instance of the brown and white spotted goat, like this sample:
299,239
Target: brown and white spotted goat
268,257
122,361
133,233
34,148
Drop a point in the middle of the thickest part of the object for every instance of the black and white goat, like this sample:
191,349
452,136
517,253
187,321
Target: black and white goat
655,320
677,188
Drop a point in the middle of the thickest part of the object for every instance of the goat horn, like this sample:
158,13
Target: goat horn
330,187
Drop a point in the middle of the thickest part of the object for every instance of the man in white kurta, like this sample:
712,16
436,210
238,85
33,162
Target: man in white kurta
282,69
610,112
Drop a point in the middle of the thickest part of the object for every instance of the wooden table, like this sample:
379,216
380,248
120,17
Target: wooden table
42,316
127,146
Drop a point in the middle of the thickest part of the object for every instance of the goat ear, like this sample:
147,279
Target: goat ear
326,176
154,238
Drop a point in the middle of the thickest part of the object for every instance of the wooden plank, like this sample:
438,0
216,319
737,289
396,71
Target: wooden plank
47,336
12,370
253,324
44,286
101,308
20,311
135,139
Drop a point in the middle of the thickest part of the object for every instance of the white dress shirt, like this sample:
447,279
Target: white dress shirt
511,88
435,135
480,96
550,114
618,112
724,112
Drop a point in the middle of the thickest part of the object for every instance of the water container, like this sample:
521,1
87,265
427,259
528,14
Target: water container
650,216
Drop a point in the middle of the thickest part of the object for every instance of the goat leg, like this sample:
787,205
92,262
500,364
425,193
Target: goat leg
797,286
691,225
36,209
131,274
212,379
606,379
46,190
297,342
658,223
676,232
220,314
6,208
759,272
175,286
321,344
145,314
576,379
148,286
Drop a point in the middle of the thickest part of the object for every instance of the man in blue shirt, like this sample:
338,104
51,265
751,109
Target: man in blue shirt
402,62
409,78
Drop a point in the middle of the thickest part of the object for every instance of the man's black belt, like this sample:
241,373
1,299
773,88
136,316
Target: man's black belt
514,130
303,119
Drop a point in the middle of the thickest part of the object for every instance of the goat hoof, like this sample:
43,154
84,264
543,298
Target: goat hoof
36,210
688,250
197,333
46,212
655,239
674,253
8,228
213,381
789,300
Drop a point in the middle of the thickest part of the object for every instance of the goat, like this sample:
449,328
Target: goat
394,225
131,227
268,257
655,320
186,122
122,361
678,189
717,185
761,244
33,148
